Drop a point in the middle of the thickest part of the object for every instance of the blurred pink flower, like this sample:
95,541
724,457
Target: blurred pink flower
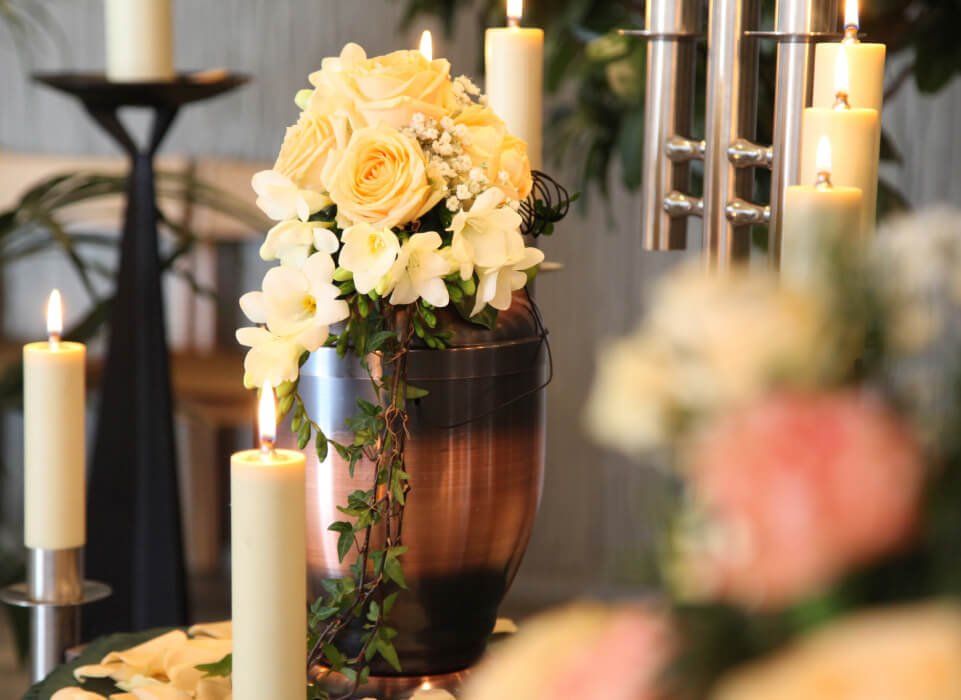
586,651
798,489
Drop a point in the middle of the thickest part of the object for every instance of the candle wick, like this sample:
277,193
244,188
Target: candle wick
851,34
841,101
54,339
823,180
514,22
266,447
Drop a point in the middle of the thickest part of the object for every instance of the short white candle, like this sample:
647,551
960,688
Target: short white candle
139,40
54,446
816,216
269,567
515,79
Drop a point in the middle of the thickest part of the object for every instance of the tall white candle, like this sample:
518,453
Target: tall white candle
816,216
515,79
865,65
269,567
139,40
54,445
854,135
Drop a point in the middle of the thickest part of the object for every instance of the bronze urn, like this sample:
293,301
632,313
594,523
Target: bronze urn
476,460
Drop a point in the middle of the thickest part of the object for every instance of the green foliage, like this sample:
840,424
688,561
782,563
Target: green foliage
221,669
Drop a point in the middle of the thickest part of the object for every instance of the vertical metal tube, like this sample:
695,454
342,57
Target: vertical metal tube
668,112
55,585
731,113
795,82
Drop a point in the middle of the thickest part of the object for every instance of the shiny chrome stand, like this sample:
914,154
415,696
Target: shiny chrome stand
54,591
727,149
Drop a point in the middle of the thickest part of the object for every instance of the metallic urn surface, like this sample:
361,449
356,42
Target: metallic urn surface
476,461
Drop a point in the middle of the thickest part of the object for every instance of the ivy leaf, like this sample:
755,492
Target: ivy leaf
386,649
414,392
346,539
218,669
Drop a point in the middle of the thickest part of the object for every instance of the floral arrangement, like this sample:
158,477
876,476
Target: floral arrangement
812,551
397,193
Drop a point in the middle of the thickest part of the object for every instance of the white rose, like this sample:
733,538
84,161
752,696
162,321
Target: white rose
368,253
381,179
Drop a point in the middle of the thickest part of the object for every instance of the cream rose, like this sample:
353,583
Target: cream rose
307,147
381,179
491,147
383,90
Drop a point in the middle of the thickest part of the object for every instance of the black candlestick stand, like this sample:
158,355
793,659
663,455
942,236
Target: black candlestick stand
134,520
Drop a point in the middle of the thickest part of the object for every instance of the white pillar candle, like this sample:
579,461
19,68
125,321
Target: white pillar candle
855,137
139,40
815,216
54,445
269,567
865,66
515,79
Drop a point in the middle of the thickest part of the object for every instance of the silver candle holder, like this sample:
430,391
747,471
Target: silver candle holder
54,592
728,149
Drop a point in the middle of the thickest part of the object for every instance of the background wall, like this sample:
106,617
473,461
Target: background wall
592,524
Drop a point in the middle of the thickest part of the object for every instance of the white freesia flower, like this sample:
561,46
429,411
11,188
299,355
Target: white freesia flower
497,285
369,254
271,359
486,235
419,271
280,199
291,242
299,304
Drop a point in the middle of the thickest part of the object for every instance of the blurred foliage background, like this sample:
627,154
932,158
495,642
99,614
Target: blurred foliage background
597,76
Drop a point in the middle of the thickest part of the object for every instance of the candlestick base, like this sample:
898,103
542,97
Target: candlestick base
54,592
390,687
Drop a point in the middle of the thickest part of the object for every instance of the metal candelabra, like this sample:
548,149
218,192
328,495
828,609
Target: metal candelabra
728,148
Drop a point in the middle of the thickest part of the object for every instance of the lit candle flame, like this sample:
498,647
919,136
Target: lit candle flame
54,316
515,11
851,18
841,77
427,45
267,418
822,158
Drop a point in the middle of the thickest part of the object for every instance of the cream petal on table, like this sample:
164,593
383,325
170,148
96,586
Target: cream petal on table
180,664
213,689
504,625
160,692
116,671
148,657
213,630
137,682
75,694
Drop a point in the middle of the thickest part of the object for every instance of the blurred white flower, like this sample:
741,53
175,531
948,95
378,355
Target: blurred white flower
271,359
280,199
709,342
916,264
298,304
291,242
483,236
419,271
369,254
894,653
